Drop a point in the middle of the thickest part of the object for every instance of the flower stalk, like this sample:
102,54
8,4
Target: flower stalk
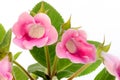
47,60
54,66
23,70
79,71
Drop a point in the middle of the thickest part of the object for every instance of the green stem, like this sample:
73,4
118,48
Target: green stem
79,71
47,60
23,70
54,66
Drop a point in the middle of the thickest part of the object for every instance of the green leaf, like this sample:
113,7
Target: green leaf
39,55
67,24
70,68
2,32
55,17
66,68
106,47
91,68
104,75
38,70
17,55
96,43
36,67
19,74
5,44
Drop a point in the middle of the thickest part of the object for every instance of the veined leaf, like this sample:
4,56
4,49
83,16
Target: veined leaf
5,44
17,55
19,74
38,70
67,71
104,75
2,32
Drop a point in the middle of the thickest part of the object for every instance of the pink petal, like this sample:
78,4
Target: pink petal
19,42
60,51
75,59
5,65
52,35
9,76
82,34
43,19
87,50
111,63
37,42
5,69
19,27
67,35
25,18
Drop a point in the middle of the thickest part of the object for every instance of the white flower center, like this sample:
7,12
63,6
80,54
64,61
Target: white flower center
71,46
36,31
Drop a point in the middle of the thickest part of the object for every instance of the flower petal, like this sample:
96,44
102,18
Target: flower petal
43,19
111,63
37,42
60,51
67,35
19,42
19,27
52,35
5,69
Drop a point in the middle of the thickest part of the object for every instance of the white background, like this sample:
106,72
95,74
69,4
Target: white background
98,18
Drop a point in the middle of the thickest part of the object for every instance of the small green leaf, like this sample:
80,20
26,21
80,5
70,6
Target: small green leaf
38,70
17,55
106,47
2,32
104,75
36,67
67,24
19,74
5,44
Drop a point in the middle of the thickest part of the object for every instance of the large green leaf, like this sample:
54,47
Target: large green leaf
5,44
19,74
2,32
38,70
104,75
65,68
69,68
56,19
39,55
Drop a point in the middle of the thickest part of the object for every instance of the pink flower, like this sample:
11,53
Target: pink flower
34,31
75,47
5,69
112,64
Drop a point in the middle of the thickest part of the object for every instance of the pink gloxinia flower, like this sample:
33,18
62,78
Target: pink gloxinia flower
75,47
5,69
112,64
34,31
